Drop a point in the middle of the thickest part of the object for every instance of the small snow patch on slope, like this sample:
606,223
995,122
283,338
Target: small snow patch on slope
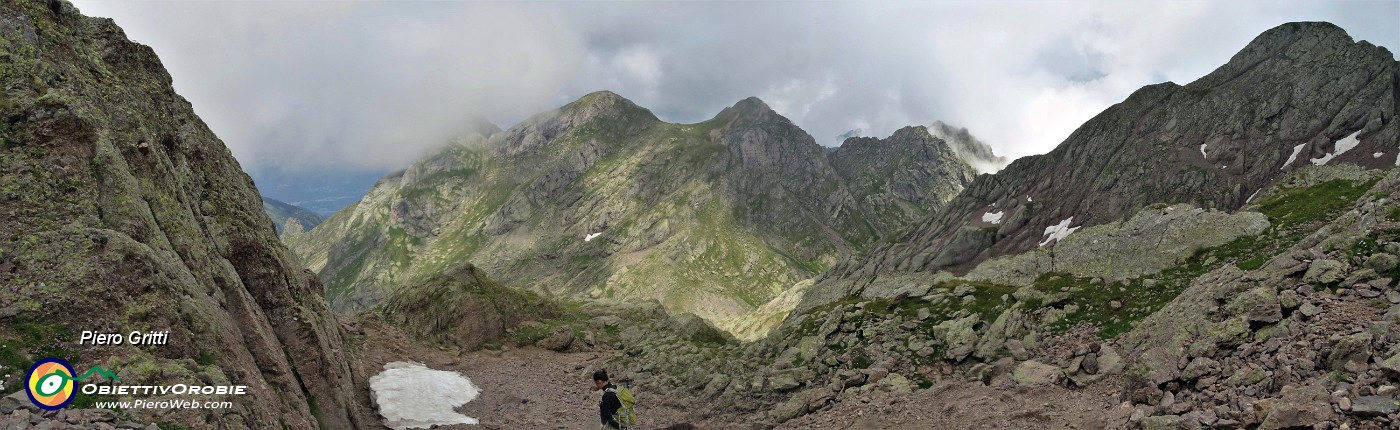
410,395
1349,142
591,236
1294,157
993,217
1341,146
1203,150
1059,231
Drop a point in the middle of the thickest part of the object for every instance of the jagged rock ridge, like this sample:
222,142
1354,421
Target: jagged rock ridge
1299,94
600,198
902,178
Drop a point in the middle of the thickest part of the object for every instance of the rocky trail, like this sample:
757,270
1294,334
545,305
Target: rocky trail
520,387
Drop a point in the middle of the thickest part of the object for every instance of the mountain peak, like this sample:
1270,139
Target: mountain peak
751,107
911,131
479,124
605,103
1301,42
602,100
752,104
1292,30
968,147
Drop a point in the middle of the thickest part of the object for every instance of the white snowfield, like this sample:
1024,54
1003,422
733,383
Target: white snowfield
410,395
1342,146
591,236
1203,151
1058,231
993,217
1291,158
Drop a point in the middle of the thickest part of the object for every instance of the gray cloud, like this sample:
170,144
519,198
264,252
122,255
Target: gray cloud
330,85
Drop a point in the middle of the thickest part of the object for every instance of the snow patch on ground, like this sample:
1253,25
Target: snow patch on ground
1378,155
1028,199
410,395
1349,142
1251,196
592,236
1203,150
1059,231
993,217
1294,157
1341,146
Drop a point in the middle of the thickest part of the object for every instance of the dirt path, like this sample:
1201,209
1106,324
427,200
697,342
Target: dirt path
526,388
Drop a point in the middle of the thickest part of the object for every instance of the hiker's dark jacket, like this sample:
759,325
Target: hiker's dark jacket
607,408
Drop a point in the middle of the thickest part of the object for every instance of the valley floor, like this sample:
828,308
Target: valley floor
539,389
521,388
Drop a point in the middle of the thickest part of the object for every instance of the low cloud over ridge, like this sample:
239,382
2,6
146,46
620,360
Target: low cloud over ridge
359,85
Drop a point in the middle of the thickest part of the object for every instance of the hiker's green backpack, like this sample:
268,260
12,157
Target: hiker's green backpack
627,416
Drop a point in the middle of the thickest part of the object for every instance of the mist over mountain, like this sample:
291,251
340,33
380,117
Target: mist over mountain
1021,76
1222,253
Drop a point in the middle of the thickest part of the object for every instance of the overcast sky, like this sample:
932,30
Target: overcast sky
346,85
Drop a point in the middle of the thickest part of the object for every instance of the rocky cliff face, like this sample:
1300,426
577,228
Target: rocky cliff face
121,211
599,198
1299,94
901,179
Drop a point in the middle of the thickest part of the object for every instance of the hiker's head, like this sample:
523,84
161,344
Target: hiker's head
600,378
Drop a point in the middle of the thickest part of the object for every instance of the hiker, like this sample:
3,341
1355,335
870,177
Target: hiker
607,408
615,409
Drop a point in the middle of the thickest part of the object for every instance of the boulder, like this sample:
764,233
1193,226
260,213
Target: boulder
1017,349
1258,305
1090,364
783,383
1351,353
1382,262
1391,365
16,400
1200,366
1037,373
897,383
1324,272
1161,422
794,407
963,290
1299,407
559,340
1374,406
959,336
1308,310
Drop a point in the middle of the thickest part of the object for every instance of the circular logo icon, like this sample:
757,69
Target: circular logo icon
50,383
